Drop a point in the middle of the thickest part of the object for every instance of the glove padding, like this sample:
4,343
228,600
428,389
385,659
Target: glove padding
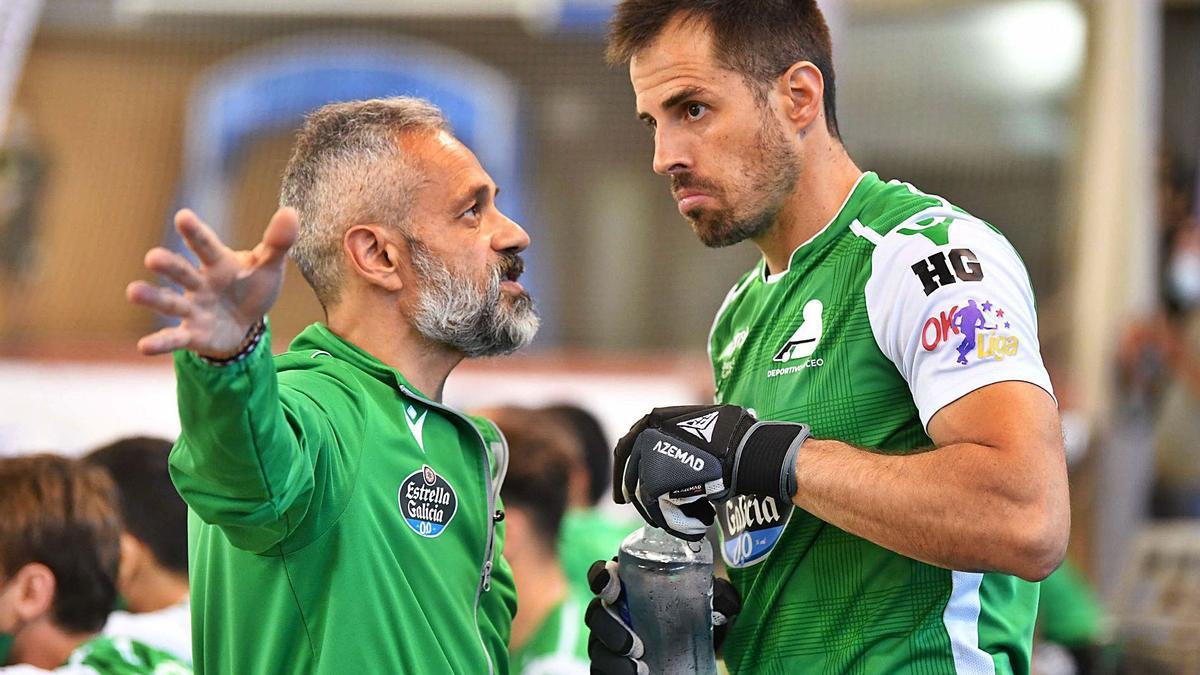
677,460
613,647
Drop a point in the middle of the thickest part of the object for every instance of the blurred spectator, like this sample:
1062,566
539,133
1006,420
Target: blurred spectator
59,546
1160,356
588,532
152,579
547,632
23,168
591,484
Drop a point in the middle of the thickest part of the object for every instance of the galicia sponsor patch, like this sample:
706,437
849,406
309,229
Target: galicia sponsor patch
750,528
427,502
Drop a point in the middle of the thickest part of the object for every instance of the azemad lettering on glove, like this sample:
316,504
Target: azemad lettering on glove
676,452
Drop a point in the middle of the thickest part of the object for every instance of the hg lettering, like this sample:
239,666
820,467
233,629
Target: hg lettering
675,452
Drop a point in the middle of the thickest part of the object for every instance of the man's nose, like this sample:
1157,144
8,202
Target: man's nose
510,236
670,153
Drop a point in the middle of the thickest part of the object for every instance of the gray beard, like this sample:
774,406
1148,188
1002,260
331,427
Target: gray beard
456,313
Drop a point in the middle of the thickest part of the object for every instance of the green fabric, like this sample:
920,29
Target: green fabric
120,656
6,643
318,543
588,535
559,645
1069,613
823,600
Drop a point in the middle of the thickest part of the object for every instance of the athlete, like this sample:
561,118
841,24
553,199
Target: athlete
60,532
344,520
152,579
883,509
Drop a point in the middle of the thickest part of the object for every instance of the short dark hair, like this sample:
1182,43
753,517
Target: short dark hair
759,39
150,506
61,513
594,444
541,454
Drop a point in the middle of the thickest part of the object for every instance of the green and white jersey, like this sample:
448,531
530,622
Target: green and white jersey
901,305
111,656
559,646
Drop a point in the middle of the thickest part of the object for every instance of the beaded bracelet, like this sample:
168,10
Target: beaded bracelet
253,337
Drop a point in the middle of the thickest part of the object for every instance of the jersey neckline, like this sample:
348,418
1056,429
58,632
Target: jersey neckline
850,207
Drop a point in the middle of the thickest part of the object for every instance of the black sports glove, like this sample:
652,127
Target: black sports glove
675,461
613,647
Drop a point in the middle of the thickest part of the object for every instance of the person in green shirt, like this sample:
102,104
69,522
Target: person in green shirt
342,518
885,463
59,547
548,636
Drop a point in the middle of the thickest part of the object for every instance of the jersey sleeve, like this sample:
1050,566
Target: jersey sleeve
951,305
247,456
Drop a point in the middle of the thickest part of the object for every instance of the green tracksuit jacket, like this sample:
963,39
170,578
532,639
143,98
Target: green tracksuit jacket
340,522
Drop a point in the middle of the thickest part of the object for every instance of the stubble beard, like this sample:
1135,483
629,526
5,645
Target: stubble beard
475,321
771,176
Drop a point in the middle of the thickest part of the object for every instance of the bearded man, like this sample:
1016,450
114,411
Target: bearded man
342,519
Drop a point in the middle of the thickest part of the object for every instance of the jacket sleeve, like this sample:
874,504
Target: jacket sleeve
248,451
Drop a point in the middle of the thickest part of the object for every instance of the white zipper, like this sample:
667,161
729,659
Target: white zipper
493,492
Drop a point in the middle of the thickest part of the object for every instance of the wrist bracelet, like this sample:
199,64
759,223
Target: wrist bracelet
253,337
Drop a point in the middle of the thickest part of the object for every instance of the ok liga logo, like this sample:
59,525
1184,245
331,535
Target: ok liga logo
980,330
427,502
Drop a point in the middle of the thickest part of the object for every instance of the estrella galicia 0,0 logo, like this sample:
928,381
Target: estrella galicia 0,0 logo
427,502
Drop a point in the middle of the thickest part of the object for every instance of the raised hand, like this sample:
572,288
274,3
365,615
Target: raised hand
222,299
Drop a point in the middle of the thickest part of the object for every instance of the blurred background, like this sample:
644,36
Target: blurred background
1072,125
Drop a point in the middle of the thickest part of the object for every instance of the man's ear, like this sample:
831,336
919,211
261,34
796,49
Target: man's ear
803,90
35,589
374,255
133,556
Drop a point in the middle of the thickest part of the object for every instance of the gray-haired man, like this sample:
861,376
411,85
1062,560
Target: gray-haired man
343,519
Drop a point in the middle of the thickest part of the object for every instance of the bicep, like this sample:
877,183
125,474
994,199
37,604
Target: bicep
1011,414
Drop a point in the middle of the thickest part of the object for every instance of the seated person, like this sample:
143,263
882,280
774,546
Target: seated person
548,636
153,576
59,545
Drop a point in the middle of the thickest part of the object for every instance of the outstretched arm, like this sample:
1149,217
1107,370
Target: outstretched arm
245,458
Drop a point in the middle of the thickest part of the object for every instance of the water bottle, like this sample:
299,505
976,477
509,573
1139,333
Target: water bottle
668,589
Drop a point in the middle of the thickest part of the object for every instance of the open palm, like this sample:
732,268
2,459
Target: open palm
224,297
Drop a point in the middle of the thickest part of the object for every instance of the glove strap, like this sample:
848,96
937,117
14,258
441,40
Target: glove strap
766,460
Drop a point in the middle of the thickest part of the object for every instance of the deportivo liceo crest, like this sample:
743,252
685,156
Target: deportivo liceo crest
701,427
804,341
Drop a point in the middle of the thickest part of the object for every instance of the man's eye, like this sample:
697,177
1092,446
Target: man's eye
696,110
472,212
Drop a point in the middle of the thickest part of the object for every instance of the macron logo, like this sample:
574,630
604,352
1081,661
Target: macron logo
416,424
701,426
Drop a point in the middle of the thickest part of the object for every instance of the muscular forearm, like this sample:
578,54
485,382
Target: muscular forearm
964,506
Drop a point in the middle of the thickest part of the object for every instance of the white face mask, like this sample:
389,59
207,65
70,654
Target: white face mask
1184,278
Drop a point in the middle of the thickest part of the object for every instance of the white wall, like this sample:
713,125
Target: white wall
72,407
